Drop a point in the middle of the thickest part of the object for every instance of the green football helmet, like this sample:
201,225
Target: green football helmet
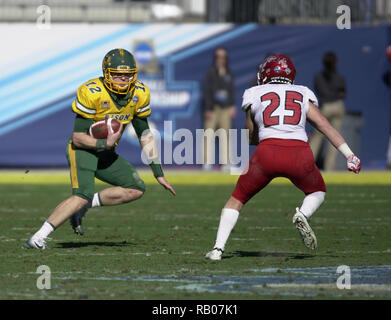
117,62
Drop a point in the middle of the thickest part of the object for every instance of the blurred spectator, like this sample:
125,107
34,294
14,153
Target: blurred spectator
387,81
219,109
330,90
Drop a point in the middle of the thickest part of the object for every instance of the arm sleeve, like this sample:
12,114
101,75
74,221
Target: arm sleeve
140,125
82,124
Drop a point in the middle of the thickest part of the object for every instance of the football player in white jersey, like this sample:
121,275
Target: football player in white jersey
276,114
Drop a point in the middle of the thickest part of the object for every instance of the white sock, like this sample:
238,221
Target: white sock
46,229
227,222
311,203
96,201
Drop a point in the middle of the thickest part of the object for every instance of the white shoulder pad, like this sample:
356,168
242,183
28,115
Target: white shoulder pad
312,97
248,99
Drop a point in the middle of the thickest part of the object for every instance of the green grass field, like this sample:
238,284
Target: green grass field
154,248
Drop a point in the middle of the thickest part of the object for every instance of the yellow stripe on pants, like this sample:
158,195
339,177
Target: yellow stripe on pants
72,161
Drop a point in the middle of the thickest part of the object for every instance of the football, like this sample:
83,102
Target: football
99,129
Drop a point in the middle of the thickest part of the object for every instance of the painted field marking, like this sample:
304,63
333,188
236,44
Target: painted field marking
370,281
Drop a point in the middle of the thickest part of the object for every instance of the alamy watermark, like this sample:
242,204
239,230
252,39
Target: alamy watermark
344,21
197,142
44,280
44,17
344,280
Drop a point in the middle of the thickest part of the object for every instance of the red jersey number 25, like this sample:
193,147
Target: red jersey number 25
293,102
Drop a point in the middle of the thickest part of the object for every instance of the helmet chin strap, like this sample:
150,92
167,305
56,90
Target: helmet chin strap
259,80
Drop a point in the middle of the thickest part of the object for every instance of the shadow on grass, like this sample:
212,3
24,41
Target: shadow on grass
68,245
289,255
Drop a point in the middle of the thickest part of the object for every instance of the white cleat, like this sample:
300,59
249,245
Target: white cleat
305,230
35,243
215,254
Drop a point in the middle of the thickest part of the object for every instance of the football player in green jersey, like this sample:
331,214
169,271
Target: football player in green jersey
116,95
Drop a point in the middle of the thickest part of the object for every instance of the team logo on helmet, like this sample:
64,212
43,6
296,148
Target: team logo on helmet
283,63
276,68
123,67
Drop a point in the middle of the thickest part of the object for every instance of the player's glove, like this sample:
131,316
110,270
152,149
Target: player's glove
353,164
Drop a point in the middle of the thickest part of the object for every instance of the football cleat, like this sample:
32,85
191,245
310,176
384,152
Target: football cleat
306,233
215,254
76,221
35,243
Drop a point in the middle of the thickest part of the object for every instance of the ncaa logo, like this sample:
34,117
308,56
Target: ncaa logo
143,52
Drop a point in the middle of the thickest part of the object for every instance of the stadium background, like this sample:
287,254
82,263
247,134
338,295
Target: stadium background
42,68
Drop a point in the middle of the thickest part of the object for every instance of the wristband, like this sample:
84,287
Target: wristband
101,145
156,168
345,150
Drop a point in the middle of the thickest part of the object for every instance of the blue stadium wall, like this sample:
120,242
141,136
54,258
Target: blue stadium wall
35,126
